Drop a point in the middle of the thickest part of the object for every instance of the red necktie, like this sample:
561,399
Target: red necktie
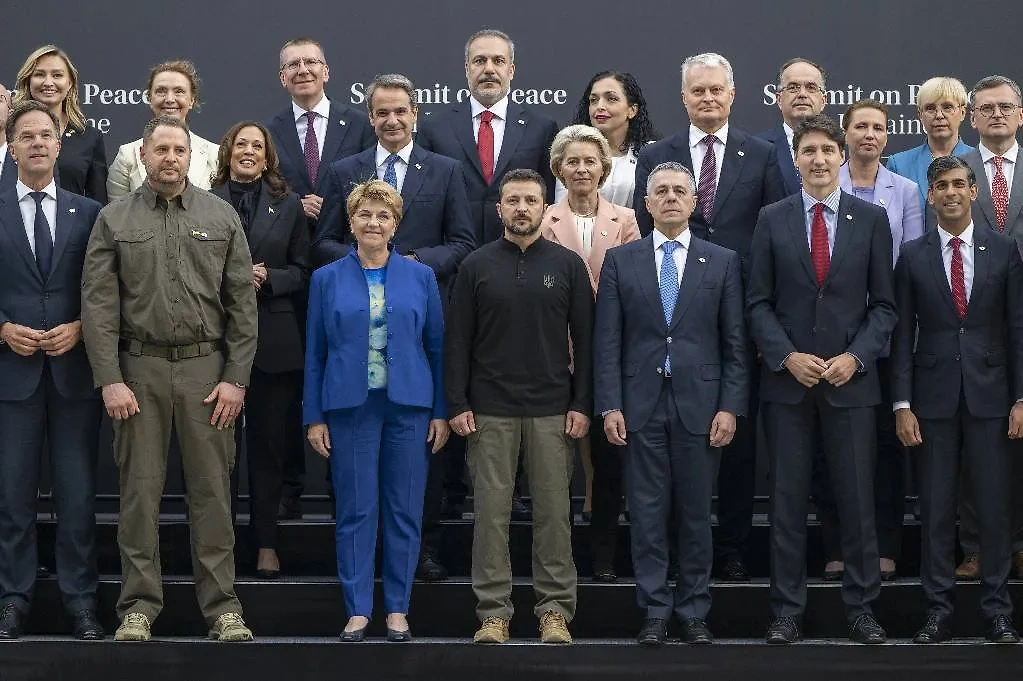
708,179
1000,193
958,280
819,253
311,148
485,145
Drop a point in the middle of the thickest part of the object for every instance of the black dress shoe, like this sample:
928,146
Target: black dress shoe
733,570
451,510
290,509
653,633
396,636
783,630
268,574
520,510
42,572
833,575
11,623
1002,630
695,631
605,574
356,636
934,630
429,569
86,627
866,630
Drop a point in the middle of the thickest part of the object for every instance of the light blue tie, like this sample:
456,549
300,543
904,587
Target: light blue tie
669,288
391,177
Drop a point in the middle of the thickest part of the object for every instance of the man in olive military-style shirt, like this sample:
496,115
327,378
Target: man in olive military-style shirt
169,320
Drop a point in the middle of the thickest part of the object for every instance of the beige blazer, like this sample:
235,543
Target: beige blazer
614,226
127,173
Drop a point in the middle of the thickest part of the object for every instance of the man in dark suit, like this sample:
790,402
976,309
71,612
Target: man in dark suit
737,175
800,94
671,373
47,390
8,170
957,386
821,309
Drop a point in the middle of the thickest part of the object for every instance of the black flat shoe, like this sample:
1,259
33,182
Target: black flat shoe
396,636
268,574
783,630
934,630
11,623
733,570
695,631
356,636
1002,630
86,627
833,575
605,574
866,630
653,633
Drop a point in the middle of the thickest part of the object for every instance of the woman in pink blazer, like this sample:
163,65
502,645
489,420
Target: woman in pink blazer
587,223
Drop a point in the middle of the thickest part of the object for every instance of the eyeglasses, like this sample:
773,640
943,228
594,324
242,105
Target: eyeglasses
947,108
1004,108
796,88
296,64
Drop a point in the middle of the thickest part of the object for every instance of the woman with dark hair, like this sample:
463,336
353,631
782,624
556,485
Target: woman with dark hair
248,177
614,104
48,76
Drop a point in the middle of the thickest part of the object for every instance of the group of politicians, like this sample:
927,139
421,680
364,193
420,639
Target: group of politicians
368,282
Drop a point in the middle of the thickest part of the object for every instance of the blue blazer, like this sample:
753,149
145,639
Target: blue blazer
789,174
913,163
30,299
337,346
898,197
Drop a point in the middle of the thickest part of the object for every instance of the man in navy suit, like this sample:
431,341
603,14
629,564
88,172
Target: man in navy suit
671,376
737,175
957,386
47,390
8,171
821,308
800,94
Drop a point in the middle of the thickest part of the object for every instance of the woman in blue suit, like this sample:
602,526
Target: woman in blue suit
374,402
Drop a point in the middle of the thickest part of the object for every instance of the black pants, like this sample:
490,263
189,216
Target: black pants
268,434
607,496
737,479
72,427
847,438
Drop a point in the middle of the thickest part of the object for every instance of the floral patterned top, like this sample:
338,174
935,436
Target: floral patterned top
375,279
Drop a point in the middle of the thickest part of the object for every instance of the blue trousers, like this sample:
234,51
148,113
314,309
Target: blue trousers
378,462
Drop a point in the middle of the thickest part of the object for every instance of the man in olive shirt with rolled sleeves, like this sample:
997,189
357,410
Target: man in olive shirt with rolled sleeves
169,319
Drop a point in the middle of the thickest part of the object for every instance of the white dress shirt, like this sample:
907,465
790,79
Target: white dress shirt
966,249
697,149
584,228
3,157
679,254
790,134
500,111
322,111
1008,165
400,168
28,211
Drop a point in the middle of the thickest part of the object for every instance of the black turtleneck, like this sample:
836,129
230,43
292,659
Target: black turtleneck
245,198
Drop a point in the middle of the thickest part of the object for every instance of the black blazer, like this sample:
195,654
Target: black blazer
29,299
436,223
279,238
789,174
749,181
9,175
935,355
706,338
82,164
853,312
348,132
528,136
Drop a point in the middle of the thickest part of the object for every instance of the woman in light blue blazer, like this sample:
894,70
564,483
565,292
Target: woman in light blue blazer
374,402
863,176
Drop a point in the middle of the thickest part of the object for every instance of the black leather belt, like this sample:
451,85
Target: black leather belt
171,353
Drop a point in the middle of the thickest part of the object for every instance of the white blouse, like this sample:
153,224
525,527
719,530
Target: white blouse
584,227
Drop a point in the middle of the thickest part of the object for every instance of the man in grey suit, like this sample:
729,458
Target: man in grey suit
997,116
671,374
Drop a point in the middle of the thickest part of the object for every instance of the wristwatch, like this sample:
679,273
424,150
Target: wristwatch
239,385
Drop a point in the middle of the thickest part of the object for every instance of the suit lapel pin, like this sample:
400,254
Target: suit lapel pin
882,202
67,134
741,152
521,122
419,167
981,248
271,209
603,233
848,217
702,259
614,218
342,122
71,210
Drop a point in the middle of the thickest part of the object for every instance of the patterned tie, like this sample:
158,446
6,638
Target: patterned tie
958,278
669,289
819,254
43,238
311,147
708,179
391,177
485,145
1000,193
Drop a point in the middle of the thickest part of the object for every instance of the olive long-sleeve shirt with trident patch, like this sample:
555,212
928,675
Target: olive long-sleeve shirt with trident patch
170,274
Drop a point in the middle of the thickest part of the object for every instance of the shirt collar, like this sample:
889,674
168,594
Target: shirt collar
831,201
153,199
682,239
404,154
966,237
500,110
322,108
696,135
986,154
24,190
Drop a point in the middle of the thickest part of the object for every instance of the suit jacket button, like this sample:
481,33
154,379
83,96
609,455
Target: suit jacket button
957,358
962,330
660,370
668,340
710,230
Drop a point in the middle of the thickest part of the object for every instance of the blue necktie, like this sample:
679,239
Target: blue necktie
391,177
44,241
669,288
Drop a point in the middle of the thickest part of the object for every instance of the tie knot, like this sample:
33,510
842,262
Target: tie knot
486,116
310,116
818,210
392,159
38,197
669,247
709,141
997,160
955,242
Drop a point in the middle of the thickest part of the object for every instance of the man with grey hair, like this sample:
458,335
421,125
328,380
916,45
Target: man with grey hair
737,175
670,380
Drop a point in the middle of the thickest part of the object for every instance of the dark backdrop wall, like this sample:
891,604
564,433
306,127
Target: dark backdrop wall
880,48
